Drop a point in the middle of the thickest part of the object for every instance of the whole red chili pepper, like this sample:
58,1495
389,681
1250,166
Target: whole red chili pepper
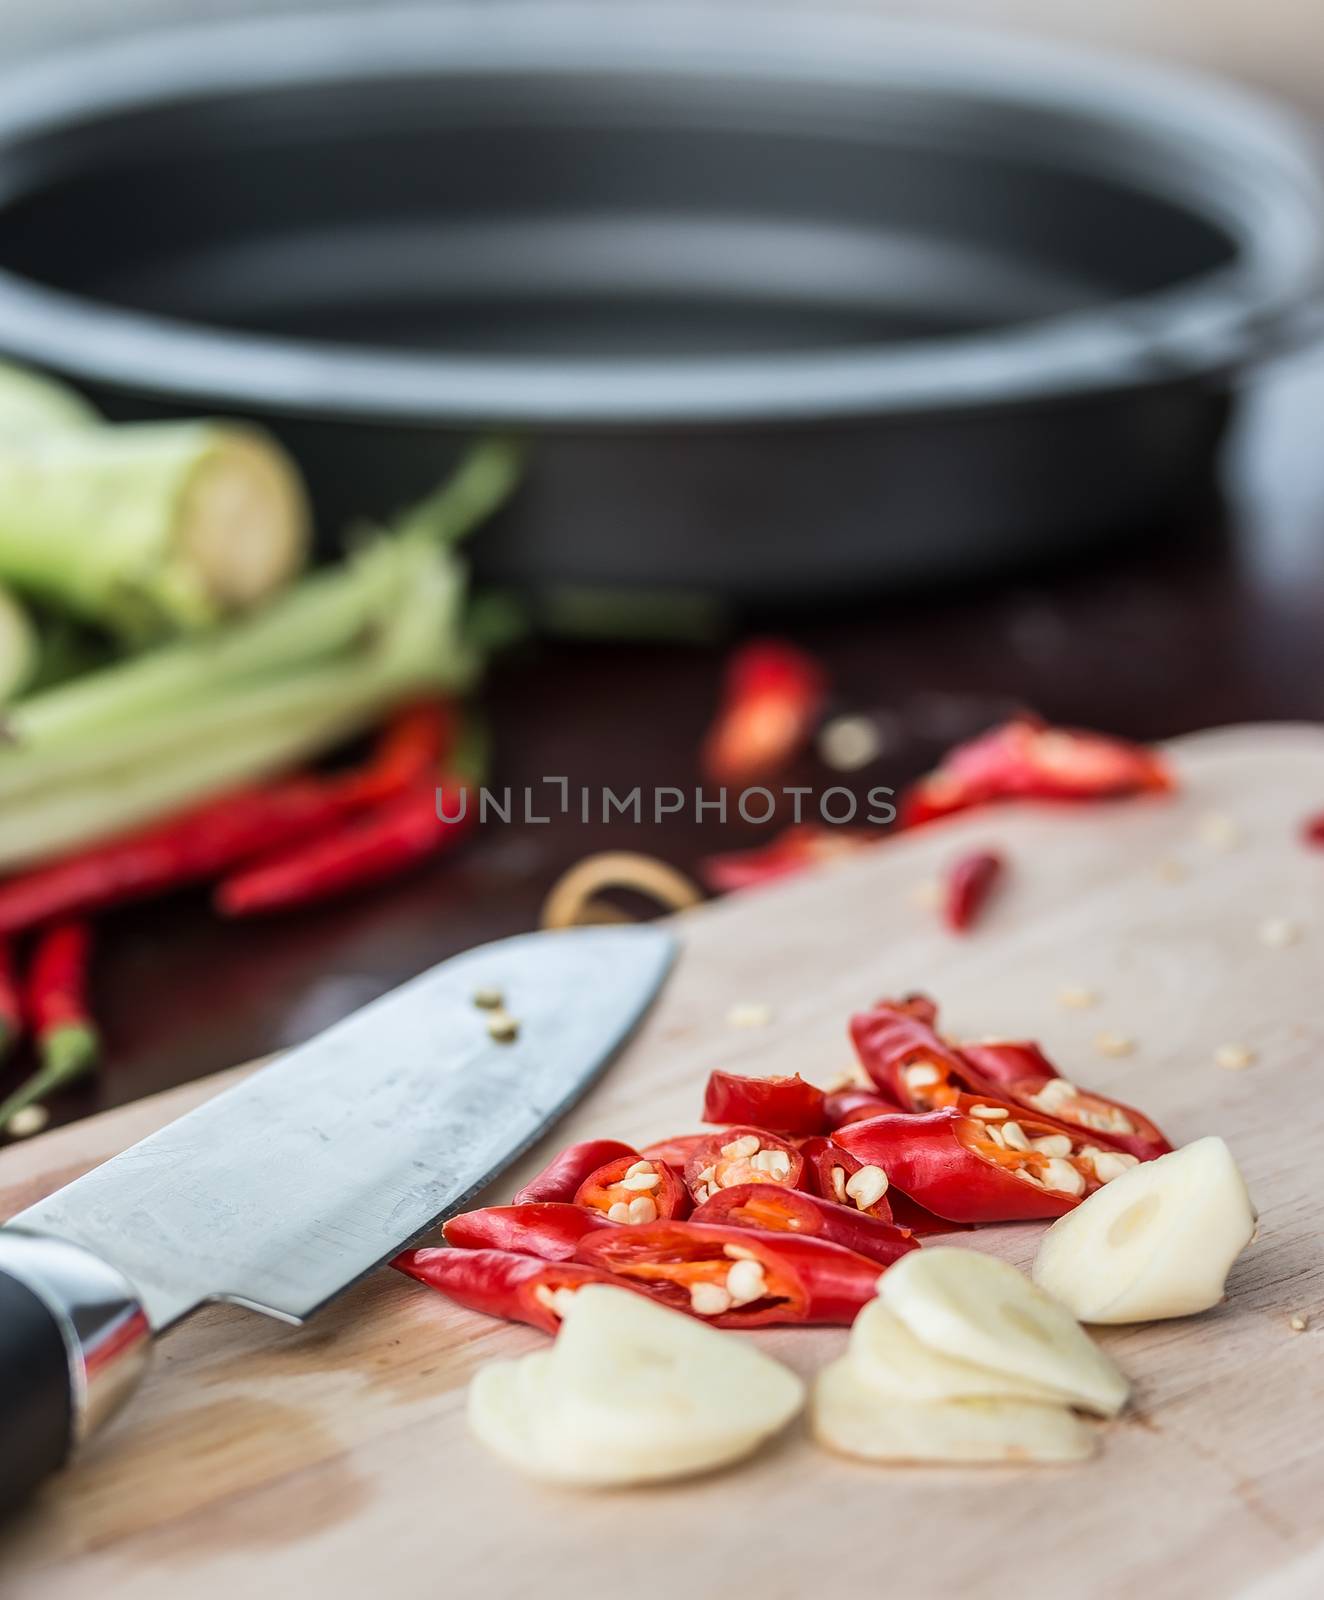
11,1007
409,749
853,1105
781,1105
501,1284
191,848
1020,1072
370,848
829,1169
795,849
675,1151
689,1266
632,1189
771,700
772,1209
58,1011
564,1173
741,1154
1027,759
961,1167
970,881
549,1229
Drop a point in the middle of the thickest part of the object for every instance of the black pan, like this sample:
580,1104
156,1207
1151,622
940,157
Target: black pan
788,305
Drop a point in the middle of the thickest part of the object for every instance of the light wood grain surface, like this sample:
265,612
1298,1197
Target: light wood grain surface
333,1460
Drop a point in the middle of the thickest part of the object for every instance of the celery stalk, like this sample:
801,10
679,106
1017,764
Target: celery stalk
19,652
149,528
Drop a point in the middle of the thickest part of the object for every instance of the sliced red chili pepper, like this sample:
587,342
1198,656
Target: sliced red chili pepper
772,1209
564,1173
738,1277
741,1154
549,1229
829,1168
795,849
901,1052
1020,1072
853,1105
772,697
1027,759
975,1169
501,1284
635,1190
781,1105
970,881
1312,830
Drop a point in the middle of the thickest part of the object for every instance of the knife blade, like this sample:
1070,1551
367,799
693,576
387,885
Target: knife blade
288,1187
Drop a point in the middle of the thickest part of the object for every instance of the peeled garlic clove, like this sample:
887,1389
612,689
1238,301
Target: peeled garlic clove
1158,1241
633,1393
976,1308
889,1358
854,1418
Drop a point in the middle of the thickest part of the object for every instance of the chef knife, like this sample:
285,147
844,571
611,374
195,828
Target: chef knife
287,1188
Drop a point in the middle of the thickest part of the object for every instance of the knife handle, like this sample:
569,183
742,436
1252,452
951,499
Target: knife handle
74,1341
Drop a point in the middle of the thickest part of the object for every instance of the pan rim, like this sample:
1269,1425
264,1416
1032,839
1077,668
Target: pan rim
1203,329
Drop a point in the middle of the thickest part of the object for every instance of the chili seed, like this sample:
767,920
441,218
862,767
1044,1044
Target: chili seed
745,1282
1114,1044
867,1186
642,1181
776,1163
1014,1136
488,999
641,1210
1053,1144
1278,932
921,1075
1077,999
502,1028
1218,831
989,1113
638,1168
839,1183
746,1145
709,1299
848,743
1233,1057
1110,1164
738,1252
1299,1323
1061,1175
749,1014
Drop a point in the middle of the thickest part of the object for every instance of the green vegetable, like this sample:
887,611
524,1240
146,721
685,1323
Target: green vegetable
149,735
31,403
149,528
18,648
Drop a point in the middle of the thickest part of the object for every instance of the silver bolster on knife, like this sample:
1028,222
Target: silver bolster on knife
105,1330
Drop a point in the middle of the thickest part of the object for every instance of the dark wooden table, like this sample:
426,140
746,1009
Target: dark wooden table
1216,621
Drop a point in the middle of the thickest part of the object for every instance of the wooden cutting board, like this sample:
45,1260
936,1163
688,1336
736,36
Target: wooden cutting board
262,1460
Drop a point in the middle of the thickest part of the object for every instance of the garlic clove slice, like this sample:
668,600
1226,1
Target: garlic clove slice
1156,1242
889,1358
853,1418
978,1309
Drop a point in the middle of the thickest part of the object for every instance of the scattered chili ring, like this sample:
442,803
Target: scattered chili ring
632,1189
970,881
564,1173
741,1154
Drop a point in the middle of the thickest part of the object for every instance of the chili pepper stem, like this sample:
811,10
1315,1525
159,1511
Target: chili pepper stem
68,1052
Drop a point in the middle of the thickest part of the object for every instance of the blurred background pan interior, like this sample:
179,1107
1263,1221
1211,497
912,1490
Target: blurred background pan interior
985,299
